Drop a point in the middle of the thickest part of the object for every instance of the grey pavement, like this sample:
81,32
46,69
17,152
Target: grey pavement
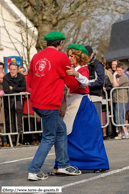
14,165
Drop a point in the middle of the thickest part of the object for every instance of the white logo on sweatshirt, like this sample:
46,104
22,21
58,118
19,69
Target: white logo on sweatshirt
40,67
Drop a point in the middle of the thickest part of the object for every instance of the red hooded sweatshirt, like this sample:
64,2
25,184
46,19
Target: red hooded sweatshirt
47,76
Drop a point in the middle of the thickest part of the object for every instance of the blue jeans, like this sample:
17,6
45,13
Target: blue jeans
54,133
98,108
4,139
119,110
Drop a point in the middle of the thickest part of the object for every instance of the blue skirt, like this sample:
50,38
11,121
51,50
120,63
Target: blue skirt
85,143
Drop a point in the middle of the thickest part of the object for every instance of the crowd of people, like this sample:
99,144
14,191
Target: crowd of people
14,82
116,76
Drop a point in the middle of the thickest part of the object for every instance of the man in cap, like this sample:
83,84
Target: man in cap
46,97
96,79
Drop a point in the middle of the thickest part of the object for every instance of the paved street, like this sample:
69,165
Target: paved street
14,164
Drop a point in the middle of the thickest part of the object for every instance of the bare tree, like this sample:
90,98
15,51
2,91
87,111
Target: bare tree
23,38
47,14
82,21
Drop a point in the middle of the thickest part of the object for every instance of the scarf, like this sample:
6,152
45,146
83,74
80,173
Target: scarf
92,60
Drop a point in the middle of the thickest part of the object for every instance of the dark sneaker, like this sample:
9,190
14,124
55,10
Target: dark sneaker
38,176
70,170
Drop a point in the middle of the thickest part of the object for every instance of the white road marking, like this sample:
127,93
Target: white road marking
3,149
96,177
102,175
7,162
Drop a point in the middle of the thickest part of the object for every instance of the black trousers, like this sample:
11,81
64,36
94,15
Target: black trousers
18,110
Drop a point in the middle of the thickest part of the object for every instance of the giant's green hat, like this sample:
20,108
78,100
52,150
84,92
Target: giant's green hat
54,35
78,47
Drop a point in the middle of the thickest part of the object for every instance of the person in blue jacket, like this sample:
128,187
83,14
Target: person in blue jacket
96,79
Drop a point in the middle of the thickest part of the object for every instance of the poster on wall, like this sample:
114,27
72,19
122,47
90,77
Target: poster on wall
8,60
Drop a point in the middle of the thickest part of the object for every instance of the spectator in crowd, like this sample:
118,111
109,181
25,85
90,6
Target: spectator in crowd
13,82
107,87
34,137
111,128
127,115
109,68
3,138
22,70
114,64
119,105
127,72
1,107
107,72
127,106
1,67
96,79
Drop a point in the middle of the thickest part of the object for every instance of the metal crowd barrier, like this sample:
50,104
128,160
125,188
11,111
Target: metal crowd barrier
105,102
110,114
27,130
126,89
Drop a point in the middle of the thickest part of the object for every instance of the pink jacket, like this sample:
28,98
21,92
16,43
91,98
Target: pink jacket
1,93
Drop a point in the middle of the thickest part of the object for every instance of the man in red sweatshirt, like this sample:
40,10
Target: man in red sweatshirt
47,77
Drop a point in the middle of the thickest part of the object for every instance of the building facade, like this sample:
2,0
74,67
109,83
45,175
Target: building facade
17,34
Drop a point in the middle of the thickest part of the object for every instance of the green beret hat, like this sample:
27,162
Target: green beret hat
54,35
78,47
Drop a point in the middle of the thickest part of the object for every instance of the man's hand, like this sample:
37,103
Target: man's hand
10,87
72,71
115,73
115,80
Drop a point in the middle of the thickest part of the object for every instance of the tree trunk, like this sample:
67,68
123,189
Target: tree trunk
43,29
